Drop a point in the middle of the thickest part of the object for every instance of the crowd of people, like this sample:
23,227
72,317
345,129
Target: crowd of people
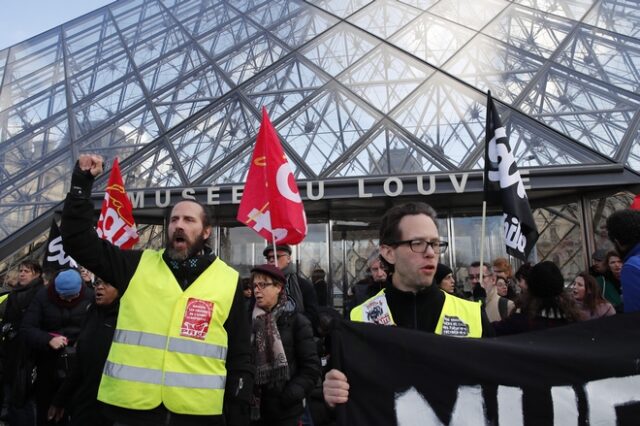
176,337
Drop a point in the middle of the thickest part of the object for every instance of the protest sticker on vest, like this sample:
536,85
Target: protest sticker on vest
454,326
377,311
197,317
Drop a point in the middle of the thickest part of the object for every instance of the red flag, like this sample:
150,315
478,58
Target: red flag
636,203
271,203
116,223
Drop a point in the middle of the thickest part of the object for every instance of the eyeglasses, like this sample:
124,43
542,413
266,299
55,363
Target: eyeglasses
420,246
477,276
262,284
272,257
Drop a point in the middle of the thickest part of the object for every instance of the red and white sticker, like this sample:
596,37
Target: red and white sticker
197,317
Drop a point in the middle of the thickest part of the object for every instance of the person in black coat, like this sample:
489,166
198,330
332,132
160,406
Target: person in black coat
285,355
78,394
51,327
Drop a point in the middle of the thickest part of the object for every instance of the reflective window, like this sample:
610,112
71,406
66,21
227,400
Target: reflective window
247,60
275,11
299,29
620,16
472,14
572,9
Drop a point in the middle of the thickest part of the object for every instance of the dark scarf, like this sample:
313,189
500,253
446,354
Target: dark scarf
186,271
270,358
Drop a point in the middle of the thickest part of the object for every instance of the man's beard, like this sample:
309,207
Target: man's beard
189,251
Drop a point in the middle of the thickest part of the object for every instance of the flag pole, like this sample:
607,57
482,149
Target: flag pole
482,234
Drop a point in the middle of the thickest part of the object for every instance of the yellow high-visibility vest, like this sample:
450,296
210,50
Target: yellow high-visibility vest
170,345
458,318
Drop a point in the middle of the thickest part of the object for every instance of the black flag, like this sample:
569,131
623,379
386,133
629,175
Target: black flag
503,185
55,258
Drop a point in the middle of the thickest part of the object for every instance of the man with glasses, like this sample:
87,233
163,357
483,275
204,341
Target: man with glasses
410,247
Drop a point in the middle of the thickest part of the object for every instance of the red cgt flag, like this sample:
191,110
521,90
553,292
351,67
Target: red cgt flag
271,204
116,223
636,203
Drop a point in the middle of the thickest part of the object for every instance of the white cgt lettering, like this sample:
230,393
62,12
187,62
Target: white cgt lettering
282,182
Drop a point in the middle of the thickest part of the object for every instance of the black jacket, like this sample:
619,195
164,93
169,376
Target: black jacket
284,401
422,310
117,267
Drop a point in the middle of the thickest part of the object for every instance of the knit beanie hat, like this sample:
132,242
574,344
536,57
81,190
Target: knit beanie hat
68,283
545,280
441,271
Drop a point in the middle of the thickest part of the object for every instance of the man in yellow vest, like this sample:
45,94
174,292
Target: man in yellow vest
410,247
181,351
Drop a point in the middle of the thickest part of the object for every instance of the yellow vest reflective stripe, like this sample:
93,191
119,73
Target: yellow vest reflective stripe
170,346
458,318
3,298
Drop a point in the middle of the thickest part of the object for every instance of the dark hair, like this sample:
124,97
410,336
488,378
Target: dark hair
317,274
246,283
523,271
32,265
623,226
206,211
562,306
476,264
592,296
390,229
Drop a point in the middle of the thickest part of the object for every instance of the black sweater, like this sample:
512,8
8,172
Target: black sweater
117,267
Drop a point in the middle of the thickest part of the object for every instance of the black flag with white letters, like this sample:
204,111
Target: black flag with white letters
582,374
54,257
503,185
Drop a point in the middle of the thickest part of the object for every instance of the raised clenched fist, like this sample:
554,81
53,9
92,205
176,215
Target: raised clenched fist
92,162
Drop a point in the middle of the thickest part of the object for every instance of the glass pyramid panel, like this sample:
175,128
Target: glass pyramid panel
157,170
132,14
431,38
3,61
385,77
604,56
299,29
633,160
386,152
282,88
619,16
275,11
107,104
25,151
233,172
246,5
491,65
572,9
208,18
341,8
326,128
247,60
472,14
420,4
190,95
228,37
530,30
94,79
171,69
446,116
591,113
214,137
183,9
384,17
339,48
123,138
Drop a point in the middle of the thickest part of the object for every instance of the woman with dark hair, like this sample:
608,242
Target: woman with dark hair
609,283
544,305
586,293
284,352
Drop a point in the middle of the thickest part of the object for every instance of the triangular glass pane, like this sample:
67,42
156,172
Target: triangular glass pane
303,27
3,62
620,16
24,152
604,56
44,47
446,116
530,30
384,17
386,152
124,137
172,68
132,14
192,94
275,11
157,170
107,104
208,19
228,37
183,9
214,138
572,9
472,14
341,8
589,112
96,78
246,5
324,130
286,86
339,48
431,38
385,77
420,4
249,59
490,65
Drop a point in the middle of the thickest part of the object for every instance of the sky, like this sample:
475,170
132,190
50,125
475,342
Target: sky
23,19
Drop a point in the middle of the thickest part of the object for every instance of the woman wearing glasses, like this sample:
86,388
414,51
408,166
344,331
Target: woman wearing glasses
284,352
